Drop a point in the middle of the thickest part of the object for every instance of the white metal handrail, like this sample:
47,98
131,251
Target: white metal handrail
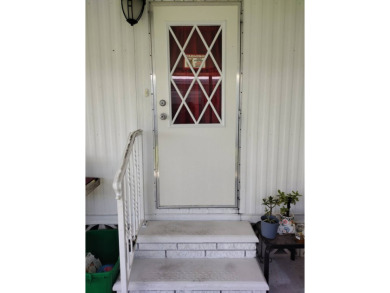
128,187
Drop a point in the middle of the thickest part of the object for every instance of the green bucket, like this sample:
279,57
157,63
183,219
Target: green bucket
104,245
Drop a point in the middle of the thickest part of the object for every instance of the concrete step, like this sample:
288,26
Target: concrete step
196,239
196,232
196,275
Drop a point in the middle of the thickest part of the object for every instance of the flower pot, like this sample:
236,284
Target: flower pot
286,225
269,230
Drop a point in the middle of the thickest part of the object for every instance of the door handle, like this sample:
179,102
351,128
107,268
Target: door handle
163,116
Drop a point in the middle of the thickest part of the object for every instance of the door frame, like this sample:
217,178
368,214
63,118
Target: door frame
238,103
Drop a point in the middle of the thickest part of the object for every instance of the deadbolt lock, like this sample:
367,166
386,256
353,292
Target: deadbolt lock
163,116
163,103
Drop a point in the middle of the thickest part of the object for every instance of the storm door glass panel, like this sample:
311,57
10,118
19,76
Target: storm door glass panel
196,74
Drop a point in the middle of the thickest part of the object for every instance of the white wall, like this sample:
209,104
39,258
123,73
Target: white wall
118,72
273,101
111,100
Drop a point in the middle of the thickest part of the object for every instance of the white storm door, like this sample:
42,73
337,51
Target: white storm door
196,69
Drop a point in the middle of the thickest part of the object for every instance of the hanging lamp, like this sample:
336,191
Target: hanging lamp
132,10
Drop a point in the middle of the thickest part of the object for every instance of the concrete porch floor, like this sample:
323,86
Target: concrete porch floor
286,276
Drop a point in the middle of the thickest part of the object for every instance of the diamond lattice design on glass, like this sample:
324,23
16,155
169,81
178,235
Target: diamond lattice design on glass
196,74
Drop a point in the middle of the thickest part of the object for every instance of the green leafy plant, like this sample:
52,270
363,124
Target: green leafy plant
270,202
286,200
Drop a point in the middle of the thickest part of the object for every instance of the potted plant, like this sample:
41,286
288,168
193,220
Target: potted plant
286,200
269,223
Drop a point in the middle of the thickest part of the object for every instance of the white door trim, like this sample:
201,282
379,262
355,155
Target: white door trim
201,209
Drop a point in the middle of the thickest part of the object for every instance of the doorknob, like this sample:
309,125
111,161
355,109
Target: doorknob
163,116
163,103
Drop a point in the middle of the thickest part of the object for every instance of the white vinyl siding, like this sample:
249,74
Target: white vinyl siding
118,73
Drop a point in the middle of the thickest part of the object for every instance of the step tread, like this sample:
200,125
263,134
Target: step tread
196,274
196,232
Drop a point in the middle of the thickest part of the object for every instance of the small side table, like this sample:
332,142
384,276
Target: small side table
90,184
285,241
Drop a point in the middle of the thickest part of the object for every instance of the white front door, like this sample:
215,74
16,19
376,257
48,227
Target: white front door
196,75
